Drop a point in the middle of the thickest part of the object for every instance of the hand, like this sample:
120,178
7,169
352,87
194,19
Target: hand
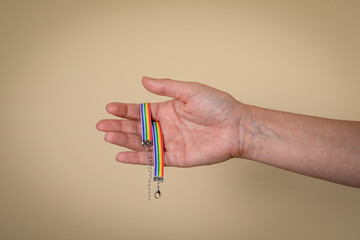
201,125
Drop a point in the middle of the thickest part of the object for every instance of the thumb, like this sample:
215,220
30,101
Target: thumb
170,88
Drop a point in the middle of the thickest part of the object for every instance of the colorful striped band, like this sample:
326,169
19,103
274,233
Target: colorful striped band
158,152
146,124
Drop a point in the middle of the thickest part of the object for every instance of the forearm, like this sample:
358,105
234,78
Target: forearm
323,148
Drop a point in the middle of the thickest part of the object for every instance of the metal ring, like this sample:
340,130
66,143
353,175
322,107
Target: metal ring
157,194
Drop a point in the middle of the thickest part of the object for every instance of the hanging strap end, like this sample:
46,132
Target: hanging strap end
158,179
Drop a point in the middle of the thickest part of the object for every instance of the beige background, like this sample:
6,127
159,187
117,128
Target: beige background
61,62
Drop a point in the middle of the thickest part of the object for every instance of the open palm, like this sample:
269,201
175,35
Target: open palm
200,125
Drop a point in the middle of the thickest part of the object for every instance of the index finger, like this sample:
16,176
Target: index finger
130,111
124,110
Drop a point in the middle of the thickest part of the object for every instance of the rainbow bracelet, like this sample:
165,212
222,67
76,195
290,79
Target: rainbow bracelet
152,134
158,153
145,124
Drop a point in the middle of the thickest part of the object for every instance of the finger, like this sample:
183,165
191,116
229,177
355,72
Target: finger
132,157
116,125
171,88
130,141
124,110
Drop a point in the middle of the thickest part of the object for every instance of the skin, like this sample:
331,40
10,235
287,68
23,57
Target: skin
202,125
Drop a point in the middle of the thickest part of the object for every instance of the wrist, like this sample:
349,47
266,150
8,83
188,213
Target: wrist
243,113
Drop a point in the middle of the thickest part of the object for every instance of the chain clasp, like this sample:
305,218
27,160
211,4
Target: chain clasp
157,194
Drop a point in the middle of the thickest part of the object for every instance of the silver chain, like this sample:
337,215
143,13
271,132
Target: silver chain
148,153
